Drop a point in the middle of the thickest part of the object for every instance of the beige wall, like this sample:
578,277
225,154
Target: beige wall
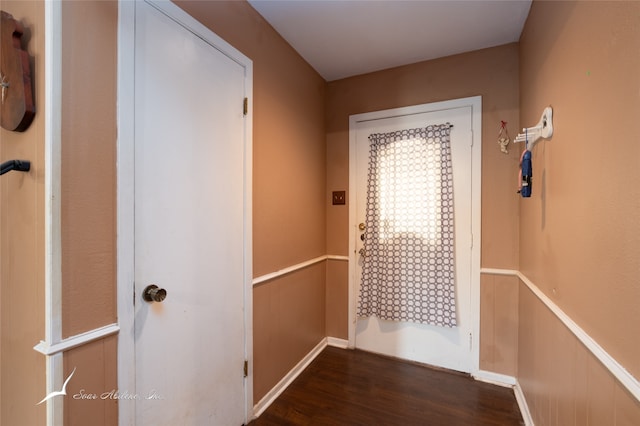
337,305
88,203
499,324
564,384
579,232
96,373
289,323
583,235
22,370
88,181
492,73
289,196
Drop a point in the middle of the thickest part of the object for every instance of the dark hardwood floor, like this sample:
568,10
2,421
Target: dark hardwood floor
346,387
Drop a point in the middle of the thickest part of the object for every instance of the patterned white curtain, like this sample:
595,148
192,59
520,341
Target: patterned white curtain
408,268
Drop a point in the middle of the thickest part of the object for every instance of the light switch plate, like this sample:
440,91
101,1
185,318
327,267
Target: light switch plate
339,197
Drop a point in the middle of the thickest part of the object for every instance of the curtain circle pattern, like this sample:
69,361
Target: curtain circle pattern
408,271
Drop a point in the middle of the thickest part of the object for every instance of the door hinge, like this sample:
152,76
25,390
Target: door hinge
246,368
471,238
245,106
470,341
471,133
134,293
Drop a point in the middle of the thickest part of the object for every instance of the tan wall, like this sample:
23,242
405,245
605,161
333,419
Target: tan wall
22,370
337,305
88,208
96,365
492,73
564,384
337,302
88,182
88,186
285,329
579,232
289,196
499,323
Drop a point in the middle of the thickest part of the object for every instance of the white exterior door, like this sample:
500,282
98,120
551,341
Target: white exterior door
191,227
451,348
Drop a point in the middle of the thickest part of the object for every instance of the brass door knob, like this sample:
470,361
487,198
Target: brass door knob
362,226
153,293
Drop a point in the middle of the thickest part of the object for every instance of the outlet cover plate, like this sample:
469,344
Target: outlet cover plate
339,197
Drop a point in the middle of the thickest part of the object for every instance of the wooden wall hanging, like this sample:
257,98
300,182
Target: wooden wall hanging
16,98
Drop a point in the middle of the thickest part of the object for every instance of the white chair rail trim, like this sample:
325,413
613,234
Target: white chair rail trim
615,368
50,349
272,275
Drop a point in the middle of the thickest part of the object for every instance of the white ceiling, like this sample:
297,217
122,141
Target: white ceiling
342,38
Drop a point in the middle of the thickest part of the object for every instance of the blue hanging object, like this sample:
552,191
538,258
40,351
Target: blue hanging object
531,135
527,173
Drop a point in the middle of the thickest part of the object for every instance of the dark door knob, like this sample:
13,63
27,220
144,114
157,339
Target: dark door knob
153,293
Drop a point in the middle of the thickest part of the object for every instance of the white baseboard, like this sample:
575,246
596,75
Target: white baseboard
522,403
495,378
282,385
337,343
510,382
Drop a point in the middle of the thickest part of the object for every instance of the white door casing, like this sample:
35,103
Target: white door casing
184,213
455,348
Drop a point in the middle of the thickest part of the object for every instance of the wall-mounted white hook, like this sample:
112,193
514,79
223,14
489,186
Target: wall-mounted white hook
542,130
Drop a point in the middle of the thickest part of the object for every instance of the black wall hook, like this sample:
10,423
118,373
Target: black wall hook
18,165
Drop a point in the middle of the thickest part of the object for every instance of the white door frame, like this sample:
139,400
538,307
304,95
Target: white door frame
475,103
125,195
